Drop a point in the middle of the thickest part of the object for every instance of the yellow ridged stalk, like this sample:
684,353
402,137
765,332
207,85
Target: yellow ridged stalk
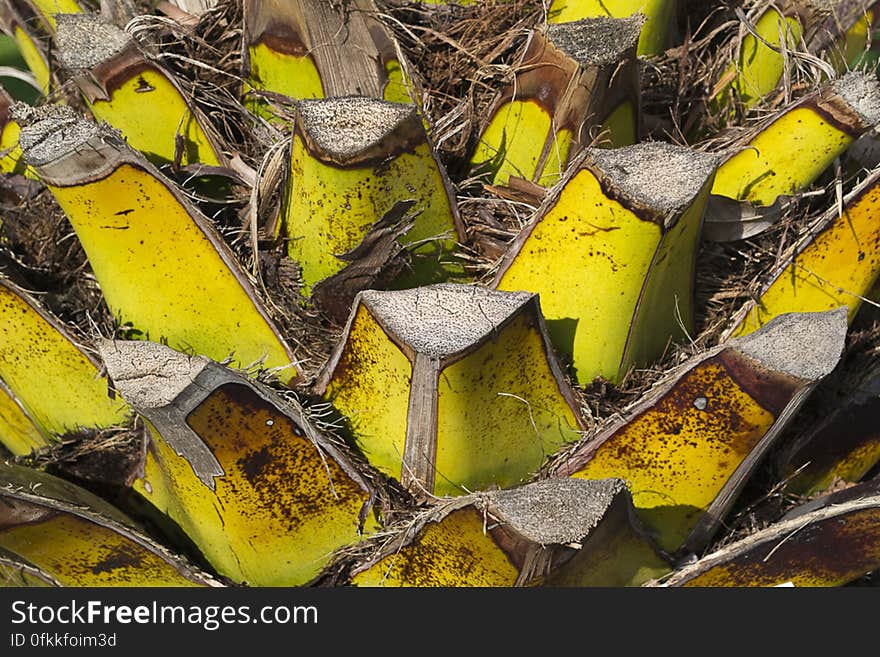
656,35
835,264
843,445
124,87
10,151
48,10
354,162
33,50
611,253
264,496
293,48
521,536
688,446
576,83
794,147
55,533
162,268
49,374
450,388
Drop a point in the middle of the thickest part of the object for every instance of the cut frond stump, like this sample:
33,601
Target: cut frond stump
848,36
514,537
772,37
123,87
844,446
787,153
759,55
575,532
304,49
260,491
659,17
838,31
576,84
447,547
831,541
54,381
611,253
53,533
835,264
689,445
365,184
450,388
162,268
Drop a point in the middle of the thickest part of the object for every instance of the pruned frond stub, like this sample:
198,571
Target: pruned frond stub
442,321
85,40
344,128
597,41
633,170
779,345
555,510
50,132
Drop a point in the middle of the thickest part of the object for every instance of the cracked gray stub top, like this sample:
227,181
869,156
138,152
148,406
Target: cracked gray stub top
660,175
85,40
861,92
50,132
147,374
597,41
805,345
563,510
345,127
443,319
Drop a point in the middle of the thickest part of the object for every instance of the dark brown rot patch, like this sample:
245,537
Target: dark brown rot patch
272,467
255,464
772,390
283,38
122,556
